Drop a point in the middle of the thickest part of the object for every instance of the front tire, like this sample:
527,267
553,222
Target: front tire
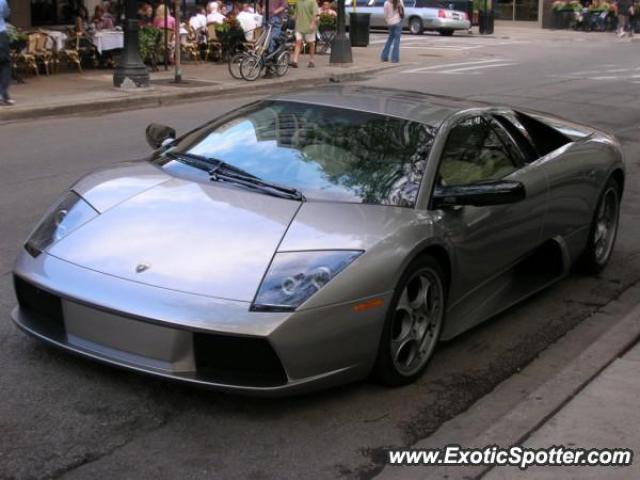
415,26
251,67
413,324
603,231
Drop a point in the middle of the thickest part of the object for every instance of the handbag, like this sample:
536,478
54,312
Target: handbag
401,10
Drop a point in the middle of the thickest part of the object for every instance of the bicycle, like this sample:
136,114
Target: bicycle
253,64
236,59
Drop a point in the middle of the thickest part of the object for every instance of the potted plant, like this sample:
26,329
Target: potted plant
149,43
17,39
327,22
556,12
230,35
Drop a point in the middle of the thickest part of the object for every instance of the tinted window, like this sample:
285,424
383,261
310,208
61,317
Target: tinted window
545,138
474,153
327,153
519,135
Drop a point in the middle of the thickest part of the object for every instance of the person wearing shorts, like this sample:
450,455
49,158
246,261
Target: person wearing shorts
307,13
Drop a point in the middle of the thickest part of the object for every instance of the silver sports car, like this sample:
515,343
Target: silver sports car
317,237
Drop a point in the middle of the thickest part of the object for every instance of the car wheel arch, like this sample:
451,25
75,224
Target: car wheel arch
438,251
618,176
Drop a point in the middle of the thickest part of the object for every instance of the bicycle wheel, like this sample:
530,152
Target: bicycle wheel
250,67
282,64
234,64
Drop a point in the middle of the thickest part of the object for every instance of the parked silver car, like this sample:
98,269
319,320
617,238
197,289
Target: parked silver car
315,237
418,16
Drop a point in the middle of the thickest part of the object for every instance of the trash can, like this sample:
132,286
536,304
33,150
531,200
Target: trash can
359,29
485,20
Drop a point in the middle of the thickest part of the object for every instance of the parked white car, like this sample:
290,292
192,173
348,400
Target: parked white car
418,17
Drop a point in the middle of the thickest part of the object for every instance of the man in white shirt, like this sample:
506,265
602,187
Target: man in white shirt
214,15
249,21
198,20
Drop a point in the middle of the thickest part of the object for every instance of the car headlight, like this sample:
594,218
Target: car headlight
294,277
67,215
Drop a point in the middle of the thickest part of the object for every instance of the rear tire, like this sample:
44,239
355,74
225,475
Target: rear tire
282,64
234,65
415,26
446,33
603,231
413,325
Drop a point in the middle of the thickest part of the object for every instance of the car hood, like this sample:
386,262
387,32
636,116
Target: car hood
206,239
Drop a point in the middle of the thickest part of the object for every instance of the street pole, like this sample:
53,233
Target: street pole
131,71
178,42
341,45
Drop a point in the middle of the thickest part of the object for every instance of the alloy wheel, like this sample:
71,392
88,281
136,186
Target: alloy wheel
606,225
416,322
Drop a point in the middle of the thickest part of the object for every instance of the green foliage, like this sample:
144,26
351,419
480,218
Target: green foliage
327,22
15,35
148,41
230,34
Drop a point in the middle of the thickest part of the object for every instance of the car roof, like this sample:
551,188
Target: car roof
419,107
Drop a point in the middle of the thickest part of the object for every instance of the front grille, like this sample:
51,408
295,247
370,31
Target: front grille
43,309
237,360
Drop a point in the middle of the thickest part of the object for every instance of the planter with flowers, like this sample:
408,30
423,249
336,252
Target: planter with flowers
230,35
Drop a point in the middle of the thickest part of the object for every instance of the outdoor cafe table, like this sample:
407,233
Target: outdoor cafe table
57,38
108,40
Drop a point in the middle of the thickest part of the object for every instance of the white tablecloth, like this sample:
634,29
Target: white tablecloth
108,40
58,38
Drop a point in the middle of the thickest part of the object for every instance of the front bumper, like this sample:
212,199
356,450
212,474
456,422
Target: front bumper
437,23
201,340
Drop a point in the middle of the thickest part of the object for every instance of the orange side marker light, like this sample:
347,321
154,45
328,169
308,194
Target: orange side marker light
368,305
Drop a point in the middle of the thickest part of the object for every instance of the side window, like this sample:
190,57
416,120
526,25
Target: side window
376,3
519,135
474,153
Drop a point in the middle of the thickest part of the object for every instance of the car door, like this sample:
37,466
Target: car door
376,8
488,240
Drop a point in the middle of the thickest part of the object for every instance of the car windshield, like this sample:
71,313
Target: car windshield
326,153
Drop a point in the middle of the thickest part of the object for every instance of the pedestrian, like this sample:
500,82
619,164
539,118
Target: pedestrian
625,10
307,13
393,16
5,55
278,10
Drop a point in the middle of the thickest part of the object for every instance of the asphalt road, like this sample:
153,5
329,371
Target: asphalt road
61,416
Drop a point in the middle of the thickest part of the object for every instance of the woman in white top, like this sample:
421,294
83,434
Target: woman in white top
393,15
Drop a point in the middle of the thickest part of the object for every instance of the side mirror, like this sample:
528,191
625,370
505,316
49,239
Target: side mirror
498,192
158,134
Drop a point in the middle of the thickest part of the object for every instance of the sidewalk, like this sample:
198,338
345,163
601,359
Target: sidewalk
582,392
605,414
93,91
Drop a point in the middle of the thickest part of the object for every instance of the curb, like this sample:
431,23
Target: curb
534,410
157,99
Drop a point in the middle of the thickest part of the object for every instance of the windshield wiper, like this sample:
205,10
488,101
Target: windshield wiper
255,183
208,164
221,170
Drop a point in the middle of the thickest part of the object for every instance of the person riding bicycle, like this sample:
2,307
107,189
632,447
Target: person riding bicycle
277,15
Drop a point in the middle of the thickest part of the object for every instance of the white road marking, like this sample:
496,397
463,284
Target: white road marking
619,74
440,68
478,67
